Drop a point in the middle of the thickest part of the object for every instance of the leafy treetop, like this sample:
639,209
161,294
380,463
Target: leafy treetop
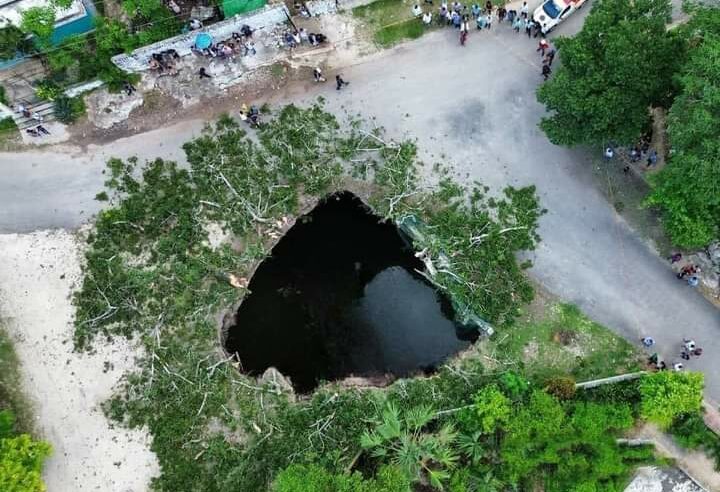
619,64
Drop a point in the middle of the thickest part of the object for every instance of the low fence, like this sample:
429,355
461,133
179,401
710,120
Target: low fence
613,379
139,59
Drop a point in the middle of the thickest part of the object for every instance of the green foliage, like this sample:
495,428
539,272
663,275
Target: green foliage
39,21
48,90
515,385
492,409
62,4
21,459
400,438
7,125
12,41
567,449
666,395
313,478
691,432
68,109
619,64
687,189
474,241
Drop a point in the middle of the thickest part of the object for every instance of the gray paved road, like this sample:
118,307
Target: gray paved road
472,108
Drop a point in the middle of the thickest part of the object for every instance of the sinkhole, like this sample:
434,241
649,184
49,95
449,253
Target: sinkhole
340,296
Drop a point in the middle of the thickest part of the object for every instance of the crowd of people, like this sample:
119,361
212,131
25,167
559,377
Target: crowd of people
460,16
688,349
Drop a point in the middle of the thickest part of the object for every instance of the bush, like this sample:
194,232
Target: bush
12,41
21,458
561,387
69,109
48,90
667,395
7,125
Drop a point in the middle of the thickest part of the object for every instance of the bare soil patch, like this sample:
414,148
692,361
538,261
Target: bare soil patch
38,274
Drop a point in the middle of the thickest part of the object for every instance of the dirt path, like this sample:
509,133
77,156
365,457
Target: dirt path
38,273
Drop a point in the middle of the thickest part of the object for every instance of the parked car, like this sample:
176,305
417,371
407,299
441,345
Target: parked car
553,12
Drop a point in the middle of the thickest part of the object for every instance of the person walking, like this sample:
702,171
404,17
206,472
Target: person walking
529,24
648,341
488,20
203,74
550,56
340,82
546,71
516,24
542,46
524,9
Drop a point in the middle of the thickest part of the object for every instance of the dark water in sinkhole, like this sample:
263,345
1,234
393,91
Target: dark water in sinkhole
338,297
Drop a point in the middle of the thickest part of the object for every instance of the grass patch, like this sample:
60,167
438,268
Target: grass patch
391,35
391,21
560,341
11,395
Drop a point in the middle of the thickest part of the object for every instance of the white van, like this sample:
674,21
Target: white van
553,12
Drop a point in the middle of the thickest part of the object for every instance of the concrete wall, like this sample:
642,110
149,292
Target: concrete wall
267,17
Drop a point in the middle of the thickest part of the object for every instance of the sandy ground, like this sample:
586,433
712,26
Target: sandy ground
38,273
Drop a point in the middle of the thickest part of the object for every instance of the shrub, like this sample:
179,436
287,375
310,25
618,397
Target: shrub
12,40
314,478
561,387
69,109
7,125
48,90
21,459
666,395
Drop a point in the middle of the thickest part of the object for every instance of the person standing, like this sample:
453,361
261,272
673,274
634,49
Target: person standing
488,20
550,56
203,74
524,9
501,14
609,153
529,24
340,82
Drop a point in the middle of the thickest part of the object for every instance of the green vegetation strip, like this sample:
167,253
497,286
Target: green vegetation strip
21,457
391,21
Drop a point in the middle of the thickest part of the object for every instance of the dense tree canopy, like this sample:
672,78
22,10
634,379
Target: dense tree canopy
688,188
12,40
619,64
39,21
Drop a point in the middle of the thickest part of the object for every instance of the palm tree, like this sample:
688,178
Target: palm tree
425,457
